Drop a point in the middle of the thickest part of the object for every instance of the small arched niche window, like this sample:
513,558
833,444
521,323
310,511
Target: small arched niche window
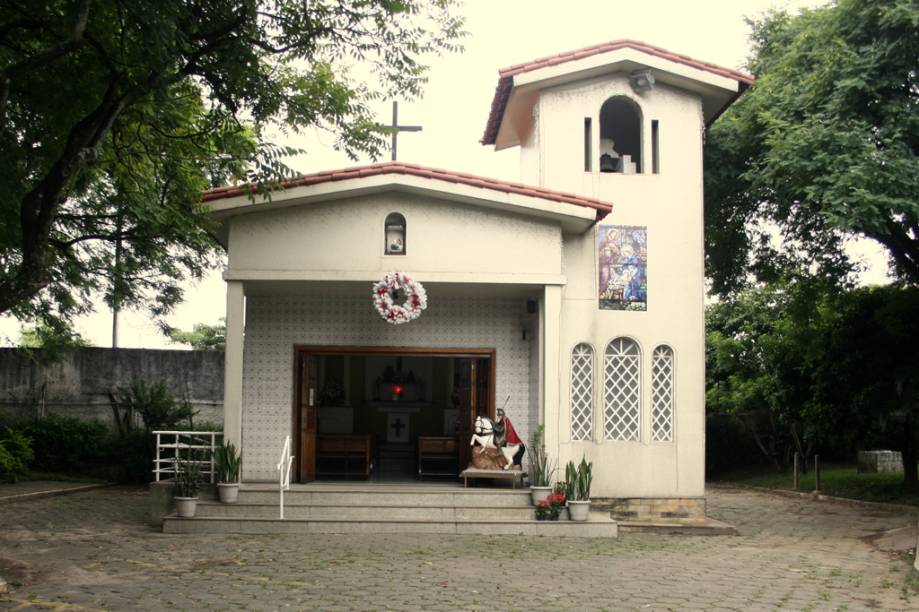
394,234
620,136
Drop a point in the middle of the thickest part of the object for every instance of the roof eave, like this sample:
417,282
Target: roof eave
599,59
572,217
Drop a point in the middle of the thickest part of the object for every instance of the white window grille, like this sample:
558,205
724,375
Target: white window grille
621,392
582,392
662,394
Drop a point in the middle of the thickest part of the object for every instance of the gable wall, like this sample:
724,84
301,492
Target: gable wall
347,235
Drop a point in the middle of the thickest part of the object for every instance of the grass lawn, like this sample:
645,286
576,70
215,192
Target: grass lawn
837,480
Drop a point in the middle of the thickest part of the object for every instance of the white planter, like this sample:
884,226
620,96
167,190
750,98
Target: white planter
185,506
228,492
578,510
539,494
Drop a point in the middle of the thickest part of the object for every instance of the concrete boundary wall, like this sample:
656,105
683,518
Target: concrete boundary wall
79,384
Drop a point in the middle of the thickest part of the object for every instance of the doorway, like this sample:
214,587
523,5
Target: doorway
387,414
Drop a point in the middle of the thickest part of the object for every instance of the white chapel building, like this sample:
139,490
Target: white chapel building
572,299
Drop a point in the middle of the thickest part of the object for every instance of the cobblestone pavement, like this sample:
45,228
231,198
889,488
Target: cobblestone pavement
92,551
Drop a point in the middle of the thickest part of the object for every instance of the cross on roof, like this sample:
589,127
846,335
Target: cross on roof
399,128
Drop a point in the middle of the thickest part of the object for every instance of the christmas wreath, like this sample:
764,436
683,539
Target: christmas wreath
386,294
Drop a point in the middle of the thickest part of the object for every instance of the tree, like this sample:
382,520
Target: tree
823,147
867,377
202,337
756,347
53,338
113,117
808,367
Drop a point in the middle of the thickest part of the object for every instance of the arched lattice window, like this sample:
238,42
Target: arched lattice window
662,394
621,390
582,392
620,136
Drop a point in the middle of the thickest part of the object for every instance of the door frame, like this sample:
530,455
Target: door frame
358,351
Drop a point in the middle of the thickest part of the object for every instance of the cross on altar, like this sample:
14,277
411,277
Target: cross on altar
398,425
399,128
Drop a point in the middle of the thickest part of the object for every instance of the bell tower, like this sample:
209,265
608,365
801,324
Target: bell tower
602,119
623,122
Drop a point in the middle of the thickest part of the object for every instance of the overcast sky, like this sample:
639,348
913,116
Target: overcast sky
458,96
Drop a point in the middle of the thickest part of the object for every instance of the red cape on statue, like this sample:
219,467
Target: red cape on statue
510,434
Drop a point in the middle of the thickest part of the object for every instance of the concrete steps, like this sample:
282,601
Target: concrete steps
599,527
362,508
366,513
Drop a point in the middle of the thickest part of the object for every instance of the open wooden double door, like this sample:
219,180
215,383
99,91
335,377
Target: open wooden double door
473,393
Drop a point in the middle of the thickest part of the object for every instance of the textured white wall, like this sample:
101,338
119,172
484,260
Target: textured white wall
669,204
275,324
347,236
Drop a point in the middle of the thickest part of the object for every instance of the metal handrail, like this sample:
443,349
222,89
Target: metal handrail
284,466
196,441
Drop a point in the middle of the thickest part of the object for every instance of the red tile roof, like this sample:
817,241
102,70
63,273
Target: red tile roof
506,80
329,176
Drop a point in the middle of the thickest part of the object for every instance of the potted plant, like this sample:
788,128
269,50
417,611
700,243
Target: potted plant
187,481
541,469
228,462
577,487
550,508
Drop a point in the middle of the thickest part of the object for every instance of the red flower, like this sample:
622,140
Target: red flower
544,503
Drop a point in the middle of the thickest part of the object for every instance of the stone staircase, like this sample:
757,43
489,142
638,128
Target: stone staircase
380,508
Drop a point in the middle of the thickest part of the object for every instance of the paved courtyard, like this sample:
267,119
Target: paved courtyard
92,550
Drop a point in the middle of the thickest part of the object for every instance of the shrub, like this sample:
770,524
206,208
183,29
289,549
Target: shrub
64,443
132,452
153,404
205,425
15,455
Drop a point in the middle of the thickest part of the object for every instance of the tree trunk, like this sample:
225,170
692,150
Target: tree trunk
768,453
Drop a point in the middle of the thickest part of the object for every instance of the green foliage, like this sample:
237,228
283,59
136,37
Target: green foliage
139,410
228,462
116,116
15,455
541,469
804,367
822,147
202,337
578,479
188,477
132,453
836,480
66,444
50,340
204,425
756,354
152,404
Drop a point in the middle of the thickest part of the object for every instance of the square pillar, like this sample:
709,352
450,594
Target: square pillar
233,364
550,337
